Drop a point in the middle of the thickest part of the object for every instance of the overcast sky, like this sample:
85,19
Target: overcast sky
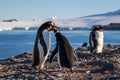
43,9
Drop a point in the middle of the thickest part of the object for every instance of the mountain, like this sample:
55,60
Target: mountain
88,21
117,12
78,22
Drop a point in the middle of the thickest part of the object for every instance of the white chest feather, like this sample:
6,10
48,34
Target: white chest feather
47,40
99,38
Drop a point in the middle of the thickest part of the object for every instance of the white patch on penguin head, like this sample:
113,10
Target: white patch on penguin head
52,23
52,26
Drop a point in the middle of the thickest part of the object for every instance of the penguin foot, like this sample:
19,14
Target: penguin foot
65,70
42,68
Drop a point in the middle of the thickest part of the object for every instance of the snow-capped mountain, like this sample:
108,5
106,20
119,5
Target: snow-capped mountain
117,12
83,22
88,21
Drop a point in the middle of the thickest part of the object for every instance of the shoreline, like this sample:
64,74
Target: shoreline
99,67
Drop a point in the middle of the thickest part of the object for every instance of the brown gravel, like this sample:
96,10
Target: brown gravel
89,67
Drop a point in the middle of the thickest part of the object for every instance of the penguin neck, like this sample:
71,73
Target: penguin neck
40,34
41,31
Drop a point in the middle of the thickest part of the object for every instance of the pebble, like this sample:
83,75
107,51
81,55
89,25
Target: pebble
19,67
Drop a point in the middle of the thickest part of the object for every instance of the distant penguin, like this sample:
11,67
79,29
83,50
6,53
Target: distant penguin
42,44
84,46
65,52
96,39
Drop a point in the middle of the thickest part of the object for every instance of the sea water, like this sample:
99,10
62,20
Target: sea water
17,42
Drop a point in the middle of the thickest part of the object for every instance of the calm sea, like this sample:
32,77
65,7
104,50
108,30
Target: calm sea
13,43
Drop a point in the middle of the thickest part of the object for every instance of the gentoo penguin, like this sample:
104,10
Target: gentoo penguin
42,43
65,52
96,39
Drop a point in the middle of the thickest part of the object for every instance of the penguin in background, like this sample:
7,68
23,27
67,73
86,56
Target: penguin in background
84,46
42,44
96,39
65,52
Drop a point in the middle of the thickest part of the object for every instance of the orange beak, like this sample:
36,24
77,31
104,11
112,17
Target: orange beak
54,28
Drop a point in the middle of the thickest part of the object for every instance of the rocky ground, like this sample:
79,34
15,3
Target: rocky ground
88,67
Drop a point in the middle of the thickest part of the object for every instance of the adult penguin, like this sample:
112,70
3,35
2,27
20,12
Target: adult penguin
96,39
65,52
42,44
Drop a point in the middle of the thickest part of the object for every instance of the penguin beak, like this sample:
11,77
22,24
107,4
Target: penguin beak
102,27
54,28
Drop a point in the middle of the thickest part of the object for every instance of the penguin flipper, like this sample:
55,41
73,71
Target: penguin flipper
54,53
